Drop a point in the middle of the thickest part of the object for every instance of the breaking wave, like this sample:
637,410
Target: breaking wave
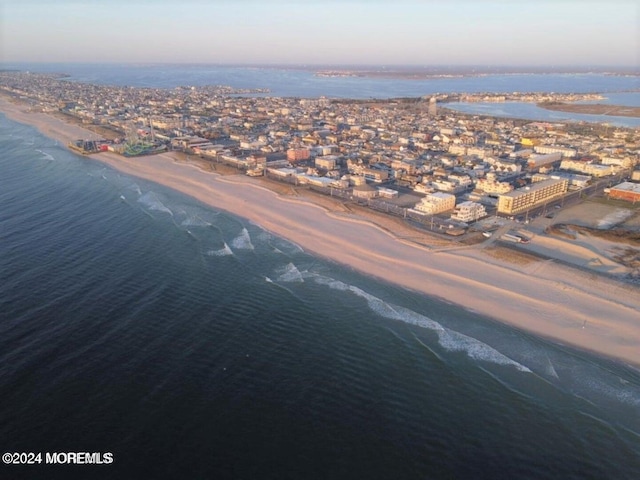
242,241
450,340
223,252
289,273
151,201
46,155
194,221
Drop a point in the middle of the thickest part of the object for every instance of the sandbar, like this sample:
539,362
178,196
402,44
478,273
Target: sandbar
561,304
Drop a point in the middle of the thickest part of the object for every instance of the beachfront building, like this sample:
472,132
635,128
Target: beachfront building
387,192
365,191
435,203
628,191
532,195
468,212
490,185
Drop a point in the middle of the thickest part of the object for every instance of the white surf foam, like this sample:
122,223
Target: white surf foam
450,340
223,252
46,155
242,241
454,341
136,188
151,201
194,221
289,273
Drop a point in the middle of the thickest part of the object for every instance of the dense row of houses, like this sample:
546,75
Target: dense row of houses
444,160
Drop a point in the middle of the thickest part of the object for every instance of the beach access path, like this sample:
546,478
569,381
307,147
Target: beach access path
564,305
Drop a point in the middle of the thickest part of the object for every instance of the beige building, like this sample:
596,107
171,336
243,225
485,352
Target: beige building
490,184
589,168
437,202
468,212
374,175
528,197
564,151
328,162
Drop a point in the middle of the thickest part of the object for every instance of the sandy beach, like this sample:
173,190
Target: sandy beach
567,306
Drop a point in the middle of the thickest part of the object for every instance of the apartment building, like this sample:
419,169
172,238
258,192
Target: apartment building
490,185
530,196
564,151
435,203
468,212
589,168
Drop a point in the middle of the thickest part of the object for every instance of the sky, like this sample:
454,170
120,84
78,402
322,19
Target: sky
323,32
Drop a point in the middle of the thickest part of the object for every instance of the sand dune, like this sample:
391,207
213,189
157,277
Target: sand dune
562,304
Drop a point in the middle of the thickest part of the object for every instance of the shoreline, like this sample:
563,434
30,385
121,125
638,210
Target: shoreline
557,303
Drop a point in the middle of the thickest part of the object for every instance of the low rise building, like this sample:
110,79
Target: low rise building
435,203
468,212
590,168
297,154
375,175
628,191
328,162
387,192
365,191
491,185
566,152
537,161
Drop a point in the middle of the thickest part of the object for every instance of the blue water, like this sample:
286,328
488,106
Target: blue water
533,112
288,82
191,343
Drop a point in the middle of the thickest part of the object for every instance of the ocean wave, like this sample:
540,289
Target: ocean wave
136,189
194,221
289,273
151,201
222,252
46,155
448,339
242,241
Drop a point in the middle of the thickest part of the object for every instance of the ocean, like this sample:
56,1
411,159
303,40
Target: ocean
190,343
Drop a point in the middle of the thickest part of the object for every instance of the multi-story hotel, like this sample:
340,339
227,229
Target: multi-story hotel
528,197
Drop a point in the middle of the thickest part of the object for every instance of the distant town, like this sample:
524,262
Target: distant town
410,157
